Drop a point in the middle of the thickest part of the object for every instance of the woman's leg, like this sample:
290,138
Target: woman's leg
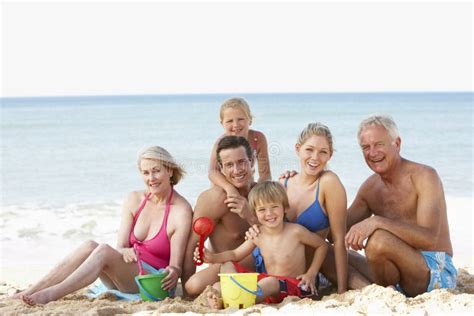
61,271
357,273
104,259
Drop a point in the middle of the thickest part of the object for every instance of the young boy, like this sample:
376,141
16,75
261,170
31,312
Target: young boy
282,246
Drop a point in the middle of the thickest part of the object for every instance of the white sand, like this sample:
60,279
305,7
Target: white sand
371,300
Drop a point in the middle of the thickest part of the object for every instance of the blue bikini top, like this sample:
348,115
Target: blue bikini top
313,218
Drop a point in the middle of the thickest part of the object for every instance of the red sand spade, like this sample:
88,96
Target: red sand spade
203,226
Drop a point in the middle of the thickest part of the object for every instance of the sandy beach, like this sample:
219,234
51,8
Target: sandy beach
370,300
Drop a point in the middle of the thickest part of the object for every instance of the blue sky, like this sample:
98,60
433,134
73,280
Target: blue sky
154,47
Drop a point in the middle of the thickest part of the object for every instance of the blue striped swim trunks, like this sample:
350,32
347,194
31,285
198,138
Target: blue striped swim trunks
442,270
443,274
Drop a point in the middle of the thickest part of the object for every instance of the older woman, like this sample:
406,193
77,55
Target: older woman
155,226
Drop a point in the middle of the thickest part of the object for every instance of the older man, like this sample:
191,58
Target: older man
401,209
231,214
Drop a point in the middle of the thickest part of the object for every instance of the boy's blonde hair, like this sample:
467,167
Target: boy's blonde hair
316,129
236,103
268,192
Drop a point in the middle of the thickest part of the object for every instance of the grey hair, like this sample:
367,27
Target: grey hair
162,155
316,129
384,120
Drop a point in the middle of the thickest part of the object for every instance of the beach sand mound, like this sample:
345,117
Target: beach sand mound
370,300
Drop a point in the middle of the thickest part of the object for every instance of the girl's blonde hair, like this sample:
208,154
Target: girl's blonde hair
162,155
268,192
236,103
316,129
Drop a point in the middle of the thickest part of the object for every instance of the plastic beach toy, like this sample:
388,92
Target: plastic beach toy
203,226
239,290
149,284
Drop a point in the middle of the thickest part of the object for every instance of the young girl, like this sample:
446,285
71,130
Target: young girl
236,120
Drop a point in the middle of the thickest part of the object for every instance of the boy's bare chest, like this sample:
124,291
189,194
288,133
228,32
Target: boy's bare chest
281,251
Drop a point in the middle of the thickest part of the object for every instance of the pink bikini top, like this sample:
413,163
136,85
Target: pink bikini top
155,251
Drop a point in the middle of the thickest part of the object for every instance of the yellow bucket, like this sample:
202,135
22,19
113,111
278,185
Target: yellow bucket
239,290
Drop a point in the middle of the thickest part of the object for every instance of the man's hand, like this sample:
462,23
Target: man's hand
252,232
359,232
237,204
288,174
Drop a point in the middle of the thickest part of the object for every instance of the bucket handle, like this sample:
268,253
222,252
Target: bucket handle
258,292
142,289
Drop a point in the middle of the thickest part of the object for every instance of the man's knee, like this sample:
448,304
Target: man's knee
378,243
193,287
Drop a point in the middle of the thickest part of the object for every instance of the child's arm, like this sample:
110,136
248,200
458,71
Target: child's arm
237,254
216,177
319,244
263,160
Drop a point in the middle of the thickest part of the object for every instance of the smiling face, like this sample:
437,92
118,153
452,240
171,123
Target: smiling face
380,150
155,175
314,154
270,214
236,166
235,122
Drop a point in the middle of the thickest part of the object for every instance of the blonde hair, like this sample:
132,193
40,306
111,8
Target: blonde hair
386,121
162,155
236,103
268,192
316,129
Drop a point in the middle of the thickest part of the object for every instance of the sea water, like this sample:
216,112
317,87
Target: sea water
68,162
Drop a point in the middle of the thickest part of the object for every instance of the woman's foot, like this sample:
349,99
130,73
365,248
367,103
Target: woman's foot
28,300
16,294
37,298
214,300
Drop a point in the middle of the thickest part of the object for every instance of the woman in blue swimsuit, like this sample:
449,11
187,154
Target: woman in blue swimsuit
317,198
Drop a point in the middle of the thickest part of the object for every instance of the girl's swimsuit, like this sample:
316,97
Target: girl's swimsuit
253,144
155,251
